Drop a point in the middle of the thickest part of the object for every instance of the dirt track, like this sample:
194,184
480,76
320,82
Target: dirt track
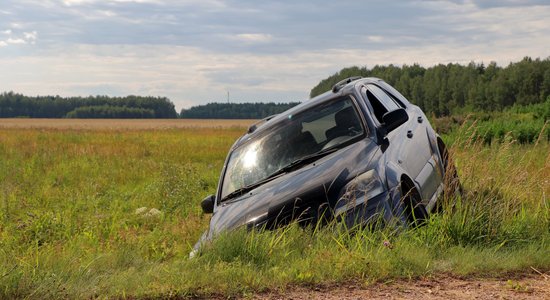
526,287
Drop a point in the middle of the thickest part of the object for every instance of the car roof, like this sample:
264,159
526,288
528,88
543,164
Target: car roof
267,123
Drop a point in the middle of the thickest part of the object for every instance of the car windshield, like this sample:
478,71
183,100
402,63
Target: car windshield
298,138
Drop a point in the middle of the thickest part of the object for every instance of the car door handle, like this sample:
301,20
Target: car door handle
420,119
409,134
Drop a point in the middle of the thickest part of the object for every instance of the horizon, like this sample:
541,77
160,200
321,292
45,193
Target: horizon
271,101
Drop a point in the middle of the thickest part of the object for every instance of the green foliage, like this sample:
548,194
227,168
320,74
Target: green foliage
110,112
524,124
539,110
453,88
14,105
235,110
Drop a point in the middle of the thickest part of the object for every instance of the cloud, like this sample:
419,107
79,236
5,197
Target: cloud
509,3
16,41
15,25
194,51
81,2
375,38
253,37
30,36
21,39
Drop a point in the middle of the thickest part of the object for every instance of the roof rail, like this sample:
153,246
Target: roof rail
341,84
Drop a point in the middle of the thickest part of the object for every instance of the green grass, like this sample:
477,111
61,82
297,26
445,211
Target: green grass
69,228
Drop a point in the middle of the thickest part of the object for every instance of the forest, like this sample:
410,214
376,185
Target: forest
13,105
453,89
235,110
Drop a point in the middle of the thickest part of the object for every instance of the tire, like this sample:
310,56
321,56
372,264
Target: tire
413,213
451,182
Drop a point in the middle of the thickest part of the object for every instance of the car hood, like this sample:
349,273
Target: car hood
297,194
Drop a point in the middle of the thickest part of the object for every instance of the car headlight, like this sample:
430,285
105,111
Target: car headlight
358,191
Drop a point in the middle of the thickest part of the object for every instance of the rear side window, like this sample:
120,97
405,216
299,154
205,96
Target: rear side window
379,101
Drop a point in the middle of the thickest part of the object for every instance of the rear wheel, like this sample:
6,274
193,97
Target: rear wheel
451,182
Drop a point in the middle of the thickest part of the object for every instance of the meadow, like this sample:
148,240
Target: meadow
113,212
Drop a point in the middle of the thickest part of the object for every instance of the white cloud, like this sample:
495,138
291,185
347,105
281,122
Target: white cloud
16,41
375,38
15,25
253,37
163,2
108,13
7,31
27,38
30,36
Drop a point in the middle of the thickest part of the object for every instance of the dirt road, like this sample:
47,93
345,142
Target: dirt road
443,287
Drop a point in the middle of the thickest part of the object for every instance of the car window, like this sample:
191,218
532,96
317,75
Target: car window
380,102
395,95
308,132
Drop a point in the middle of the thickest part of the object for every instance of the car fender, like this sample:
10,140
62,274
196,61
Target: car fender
394,173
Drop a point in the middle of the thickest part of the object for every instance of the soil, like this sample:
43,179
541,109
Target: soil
441,287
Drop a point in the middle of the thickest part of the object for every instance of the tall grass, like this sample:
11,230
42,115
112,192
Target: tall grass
69,227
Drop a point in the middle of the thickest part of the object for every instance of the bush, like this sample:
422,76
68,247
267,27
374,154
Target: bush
110,112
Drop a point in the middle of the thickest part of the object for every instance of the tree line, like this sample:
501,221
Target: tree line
111,112
235,110
453,88
13,105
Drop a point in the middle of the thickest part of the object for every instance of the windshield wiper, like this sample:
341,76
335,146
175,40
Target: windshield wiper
283,170
244,189
306,159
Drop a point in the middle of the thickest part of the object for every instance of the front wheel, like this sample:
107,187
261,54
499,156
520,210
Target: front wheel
412,212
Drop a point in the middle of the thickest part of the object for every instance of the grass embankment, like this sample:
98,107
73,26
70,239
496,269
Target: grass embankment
69,228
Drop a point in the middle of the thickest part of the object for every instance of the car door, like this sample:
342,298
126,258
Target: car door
409,143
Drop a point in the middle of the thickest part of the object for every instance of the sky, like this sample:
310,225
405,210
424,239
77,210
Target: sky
200,51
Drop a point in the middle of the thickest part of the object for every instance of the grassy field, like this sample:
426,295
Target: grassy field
119,124
76,218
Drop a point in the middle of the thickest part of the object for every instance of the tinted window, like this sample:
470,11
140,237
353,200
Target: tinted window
380,102
386,100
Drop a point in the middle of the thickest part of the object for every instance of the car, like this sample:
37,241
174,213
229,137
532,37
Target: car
358,153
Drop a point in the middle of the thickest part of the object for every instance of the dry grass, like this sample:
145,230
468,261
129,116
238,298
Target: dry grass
120,124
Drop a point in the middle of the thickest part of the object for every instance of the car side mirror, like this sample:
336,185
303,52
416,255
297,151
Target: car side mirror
207,204
394,119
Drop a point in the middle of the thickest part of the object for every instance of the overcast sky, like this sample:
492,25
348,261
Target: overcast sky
195,51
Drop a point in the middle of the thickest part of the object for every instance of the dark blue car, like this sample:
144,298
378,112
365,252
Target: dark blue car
357,153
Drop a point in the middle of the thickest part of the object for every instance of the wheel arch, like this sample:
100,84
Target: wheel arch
414,209
395,176
443,152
